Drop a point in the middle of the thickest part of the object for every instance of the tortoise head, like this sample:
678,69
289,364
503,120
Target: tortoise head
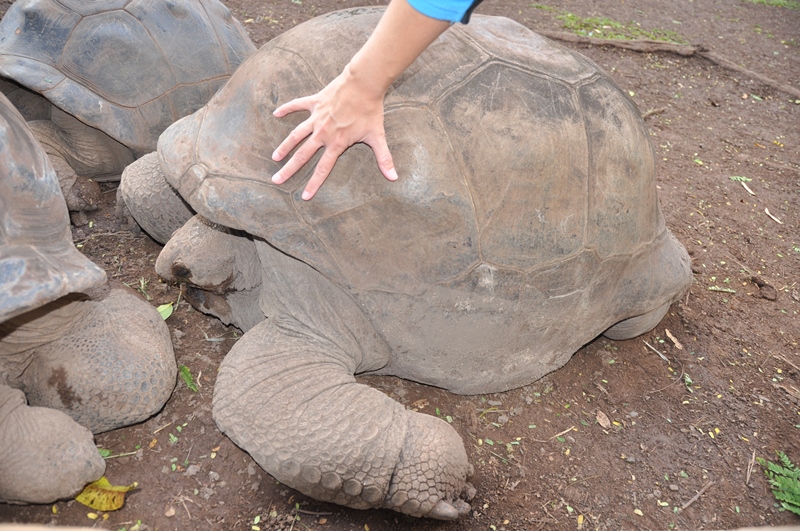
212,264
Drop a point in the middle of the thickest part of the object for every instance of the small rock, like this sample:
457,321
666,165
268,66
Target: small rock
494,403
251,470
502,419
528,400
633,414
630,459
206,492
657,493
213,476
191,470
674,488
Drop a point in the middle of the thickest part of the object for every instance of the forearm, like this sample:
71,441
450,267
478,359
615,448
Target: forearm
401,36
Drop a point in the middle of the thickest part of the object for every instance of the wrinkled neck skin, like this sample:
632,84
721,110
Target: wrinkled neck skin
21,336
218,269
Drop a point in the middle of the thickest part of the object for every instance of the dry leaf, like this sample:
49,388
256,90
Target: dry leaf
104,496
602,419
673,339
420,404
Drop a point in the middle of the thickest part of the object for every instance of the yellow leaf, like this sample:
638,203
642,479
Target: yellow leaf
104,496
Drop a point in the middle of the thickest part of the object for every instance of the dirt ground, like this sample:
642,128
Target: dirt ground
725,389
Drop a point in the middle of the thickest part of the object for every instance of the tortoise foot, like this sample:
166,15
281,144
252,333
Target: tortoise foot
45,455
107,364
431,473
636,326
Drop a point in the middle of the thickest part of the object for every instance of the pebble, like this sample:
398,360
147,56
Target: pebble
213,476
191,470
674,488
495,403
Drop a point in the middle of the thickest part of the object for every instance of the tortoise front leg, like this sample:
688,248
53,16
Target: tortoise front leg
287,396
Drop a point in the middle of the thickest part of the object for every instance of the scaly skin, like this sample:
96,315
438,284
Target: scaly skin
44,455
107,364
148,198
288,397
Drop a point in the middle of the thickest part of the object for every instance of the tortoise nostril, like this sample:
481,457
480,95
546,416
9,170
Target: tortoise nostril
181,272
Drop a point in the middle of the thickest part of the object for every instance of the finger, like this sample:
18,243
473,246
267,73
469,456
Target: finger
297,161
299,104
290,142
384,158
321,172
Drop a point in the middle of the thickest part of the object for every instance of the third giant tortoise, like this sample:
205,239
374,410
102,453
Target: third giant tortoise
525,224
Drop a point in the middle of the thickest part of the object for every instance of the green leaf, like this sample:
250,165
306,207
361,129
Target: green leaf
188,379
104,452
165,310
740,179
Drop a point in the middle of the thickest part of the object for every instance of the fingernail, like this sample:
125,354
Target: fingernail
392,175
275,155
276,178
306,195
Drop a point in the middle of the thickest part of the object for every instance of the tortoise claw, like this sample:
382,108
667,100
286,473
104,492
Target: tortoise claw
444,511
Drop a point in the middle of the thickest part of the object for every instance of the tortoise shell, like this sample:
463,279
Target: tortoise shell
126,67
525,221
38,262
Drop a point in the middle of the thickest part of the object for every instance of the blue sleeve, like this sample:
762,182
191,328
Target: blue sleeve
450,10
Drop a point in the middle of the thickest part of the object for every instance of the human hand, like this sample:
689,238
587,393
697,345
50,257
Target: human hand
343,113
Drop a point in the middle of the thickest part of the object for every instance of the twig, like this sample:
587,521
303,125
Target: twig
676,380
121,455
563,432
663,357
750,468
697,496
312,513
777,357
646,46
776,220
162,427
183,502
652,112
749,191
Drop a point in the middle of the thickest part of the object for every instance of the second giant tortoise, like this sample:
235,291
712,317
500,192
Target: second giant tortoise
525,223
100,81
70,364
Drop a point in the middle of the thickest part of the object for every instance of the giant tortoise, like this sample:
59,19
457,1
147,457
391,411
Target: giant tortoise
69,365
525,224
101,80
